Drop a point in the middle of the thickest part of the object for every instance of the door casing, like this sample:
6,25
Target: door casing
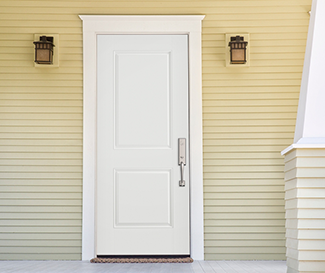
134,24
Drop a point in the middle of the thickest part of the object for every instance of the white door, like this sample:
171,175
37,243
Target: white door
142,102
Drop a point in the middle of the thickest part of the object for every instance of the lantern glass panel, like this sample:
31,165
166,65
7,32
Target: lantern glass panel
44,56
238,56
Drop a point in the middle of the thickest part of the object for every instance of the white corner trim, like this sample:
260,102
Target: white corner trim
106,24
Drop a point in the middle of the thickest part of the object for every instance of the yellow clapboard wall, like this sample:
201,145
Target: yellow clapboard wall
249,117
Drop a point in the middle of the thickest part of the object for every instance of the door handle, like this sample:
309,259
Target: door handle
182,159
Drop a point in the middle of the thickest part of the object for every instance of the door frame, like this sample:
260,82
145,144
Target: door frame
137,24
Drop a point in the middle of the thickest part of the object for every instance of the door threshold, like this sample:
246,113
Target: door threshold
142,259
143,256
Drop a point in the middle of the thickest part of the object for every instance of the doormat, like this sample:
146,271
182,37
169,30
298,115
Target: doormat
142,260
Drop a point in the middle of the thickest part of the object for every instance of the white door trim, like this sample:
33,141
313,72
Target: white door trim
106,24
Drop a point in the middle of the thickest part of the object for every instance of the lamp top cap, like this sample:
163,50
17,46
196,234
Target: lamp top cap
237,39
45,40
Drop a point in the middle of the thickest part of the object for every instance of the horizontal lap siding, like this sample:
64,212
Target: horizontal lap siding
249,117
40,138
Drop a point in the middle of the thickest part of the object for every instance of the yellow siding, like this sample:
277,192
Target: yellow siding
249,117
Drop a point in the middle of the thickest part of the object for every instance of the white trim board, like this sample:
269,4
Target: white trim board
134,24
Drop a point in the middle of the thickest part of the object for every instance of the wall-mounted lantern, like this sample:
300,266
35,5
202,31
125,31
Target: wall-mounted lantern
44,50
238,50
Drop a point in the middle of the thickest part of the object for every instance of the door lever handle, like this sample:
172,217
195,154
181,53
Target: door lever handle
182,159
182,181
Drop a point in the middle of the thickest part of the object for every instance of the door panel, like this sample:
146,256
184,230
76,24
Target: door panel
142,110
142,117
142,198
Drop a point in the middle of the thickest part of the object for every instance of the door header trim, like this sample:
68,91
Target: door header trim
142,17
134,24
137,24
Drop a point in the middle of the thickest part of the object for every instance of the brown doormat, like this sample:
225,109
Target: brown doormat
142,260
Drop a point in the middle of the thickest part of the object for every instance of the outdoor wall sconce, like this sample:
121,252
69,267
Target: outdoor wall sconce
238,50
44,50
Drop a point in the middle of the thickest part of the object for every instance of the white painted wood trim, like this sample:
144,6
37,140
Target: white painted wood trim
306,143
106,24
310,132
302,146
